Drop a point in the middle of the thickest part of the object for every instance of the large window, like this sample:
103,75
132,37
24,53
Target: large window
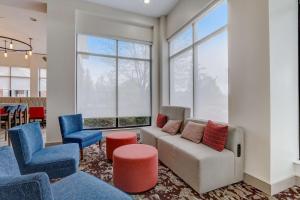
42,82
199,66
113,82
14,82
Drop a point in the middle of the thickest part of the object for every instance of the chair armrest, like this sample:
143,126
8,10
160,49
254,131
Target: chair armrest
27,187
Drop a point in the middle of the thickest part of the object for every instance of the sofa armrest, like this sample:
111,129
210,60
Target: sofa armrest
235,141
27,187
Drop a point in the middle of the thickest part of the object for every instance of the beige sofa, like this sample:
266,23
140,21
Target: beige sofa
200,166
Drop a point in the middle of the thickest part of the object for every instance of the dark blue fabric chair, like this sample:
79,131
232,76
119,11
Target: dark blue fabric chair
71,127
79,186
57,161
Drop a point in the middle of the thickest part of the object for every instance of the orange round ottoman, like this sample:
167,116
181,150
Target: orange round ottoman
135,168
115,140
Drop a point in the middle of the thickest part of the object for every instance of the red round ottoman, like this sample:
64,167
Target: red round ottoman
135,168
115,140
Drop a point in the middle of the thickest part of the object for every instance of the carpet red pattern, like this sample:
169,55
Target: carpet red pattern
171,187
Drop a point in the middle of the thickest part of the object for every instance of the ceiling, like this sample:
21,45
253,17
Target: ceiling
15,22
156,8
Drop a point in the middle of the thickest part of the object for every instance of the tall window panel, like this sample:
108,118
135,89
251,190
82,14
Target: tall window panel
42,82
181,79
96,87
113,82
199,66
14,81
211,83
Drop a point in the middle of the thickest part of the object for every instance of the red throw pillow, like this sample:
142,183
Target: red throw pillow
161,120
215,135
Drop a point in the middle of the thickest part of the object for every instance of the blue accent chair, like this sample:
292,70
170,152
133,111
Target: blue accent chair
79,186
57,161
71,128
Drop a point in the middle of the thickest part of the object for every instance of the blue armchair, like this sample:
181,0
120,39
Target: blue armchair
79,186
57,161
71,127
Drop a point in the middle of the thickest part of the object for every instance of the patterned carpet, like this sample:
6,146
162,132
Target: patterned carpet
171,187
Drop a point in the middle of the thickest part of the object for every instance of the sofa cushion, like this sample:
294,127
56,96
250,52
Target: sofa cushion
85,187
161,120
176,112
172,126
70,124
150,134
56,161
215,135
193,131
202,167
83,136
27,139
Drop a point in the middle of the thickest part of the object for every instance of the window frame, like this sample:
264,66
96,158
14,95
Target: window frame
11,77
194,44
117,57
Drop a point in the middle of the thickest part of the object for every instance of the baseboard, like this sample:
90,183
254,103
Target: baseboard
297,181
283,184
272,189
257,183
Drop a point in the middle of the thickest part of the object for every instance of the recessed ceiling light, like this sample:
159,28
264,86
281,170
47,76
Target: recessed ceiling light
146,1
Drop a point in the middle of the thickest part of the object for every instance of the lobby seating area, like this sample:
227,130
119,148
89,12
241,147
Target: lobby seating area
149,100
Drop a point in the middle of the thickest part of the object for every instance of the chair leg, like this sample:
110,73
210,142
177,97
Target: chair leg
100,144
81,154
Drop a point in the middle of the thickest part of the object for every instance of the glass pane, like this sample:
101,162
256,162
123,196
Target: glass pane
134,50
43,73
212,21
134,88
20,71
43,84
134,121
211,87
97,45
181,41
4,71
4,83
20,83
100,122
181,77
4,93
96,86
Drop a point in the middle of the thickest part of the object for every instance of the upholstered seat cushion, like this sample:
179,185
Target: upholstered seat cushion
83,138
191,161
150,134
56,161
85,187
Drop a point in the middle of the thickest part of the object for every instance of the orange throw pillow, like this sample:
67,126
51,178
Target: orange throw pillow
172,127
215,135
193,131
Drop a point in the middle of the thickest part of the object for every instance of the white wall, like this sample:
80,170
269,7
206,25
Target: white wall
62,55
283,19
34,62
183,12
249,81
